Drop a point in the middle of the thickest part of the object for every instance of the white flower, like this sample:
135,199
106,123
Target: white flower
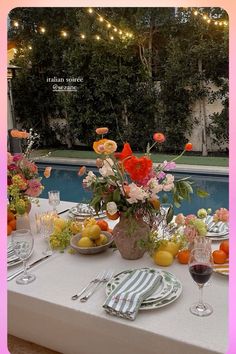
106,169
111,208
168,187
136,194
168,182
169,178
89,179
154,187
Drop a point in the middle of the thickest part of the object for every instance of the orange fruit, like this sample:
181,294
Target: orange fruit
183,256
113,217
10,216
224,246
12,223
103,225
219,256
110,230
9,230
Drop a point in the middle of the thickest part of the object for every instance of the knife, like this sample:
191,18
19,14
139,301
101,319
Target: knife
12,276
62,212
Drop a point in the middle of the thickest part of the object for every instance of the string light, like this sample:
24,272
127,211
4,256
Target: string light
108,25
15,50
208,20
42,30
101,19
98,38
195,13
90,10
115,29
16,24
30,48
82,36
112,38
64,34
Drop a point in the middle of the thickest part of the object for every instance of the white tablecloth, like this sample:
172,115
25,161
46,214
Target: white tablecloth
43,312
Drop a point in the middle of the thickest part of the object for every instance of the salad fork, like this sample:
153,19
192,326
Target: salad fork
96,280
105,278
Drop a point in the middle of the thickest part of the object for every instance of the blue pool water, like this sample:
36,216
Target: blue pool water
66,180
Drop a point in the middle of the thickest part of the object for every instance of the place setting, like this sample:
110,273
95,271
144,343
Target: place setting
83,210
216,231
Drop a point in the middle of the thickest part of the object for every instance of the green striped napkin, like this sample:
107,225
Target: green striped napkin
126,299
219,227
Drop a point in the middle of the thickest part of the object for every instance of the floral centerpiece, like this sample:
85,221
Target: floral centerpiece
23,181
128,188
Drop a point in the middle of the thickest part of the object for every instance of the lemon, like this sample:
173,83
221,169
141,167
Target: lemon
102,240
95,232
60,224
171,247
85,242
75,227
163,258
86,232
89,222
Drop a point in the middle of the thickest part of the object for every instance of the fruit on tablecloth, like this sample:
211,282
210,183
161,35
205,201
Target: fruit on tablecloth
169,246
163,258
102,240
103,225
9,230
85,242
95,232
12,223
183,256
224,246
10,216
219,256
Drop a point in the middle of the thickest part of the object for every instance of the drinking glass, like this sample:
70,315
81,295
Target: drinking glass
200,268
202,242
47,225
54,199
22,243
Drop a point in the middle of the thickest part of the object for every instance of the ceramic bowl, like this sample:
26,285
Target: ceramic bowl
90,250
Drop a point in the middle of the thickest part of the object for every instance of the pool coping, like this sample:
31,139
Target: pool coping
182,168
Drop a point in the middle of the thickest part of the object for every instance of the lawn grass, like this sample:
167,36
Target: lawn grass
189,160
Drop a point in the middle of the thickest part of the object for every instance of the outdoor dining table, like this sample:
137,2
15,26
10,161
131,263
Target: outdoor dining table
43,312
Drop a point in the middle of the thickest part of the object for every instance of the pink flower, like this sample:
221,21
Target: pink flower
9,159
180,219
12,168
190,218
221,214
34,188
17,157
190,233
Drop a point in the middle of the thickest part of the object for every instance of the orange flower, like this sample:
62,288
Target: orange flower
188,147
82,171
138,168
18,134
47,172
98,146
101,131
125,153
159,137
109,147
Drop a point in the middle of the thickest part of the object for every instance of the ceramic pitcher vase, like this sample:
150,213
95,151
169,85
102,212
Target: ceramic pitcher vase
127,233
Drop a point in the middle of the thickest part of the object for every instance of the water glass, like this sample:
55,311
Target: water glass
201,268
202,242
22,243
54,199
47,225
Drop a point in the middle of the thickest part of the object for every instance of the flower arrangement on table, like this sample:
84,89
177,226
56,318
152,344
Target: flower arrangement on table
128,186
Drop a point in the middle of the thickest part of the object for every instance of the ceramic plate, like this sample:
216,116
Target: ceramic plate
164,295
221,268
84,210
217,237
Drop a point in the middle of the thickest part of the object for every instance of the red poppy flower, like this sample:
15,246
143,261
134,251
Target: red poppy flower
126,152
159,137
138,168
188,147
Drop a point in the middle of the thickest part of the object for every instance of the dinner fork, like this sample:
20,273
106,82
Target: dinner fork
105,278
94,281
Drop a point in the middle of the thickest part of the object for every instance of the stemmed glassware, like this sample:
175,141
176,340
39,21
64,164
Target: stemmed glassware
47,224
22,243
54,199
200,268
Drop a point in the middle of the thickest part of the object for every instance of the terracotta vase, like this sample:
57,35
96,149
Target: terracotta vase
127,233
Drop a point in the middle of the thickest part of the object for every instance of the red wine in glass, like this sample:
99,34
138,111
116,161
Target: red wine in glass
200,273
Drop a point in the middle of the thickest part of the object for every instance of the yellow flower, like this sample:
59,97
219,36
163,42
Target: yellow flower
110,146
98,146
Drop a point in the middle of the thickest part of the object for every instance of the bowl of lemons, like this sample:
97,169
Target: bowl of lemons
91,240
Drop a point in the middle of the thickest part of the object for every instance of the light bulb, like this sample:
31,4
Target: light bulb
64,33
216,23
16,24
115,29
42,30
209,21
195,13
220,23
98,38
112,38
90,10
101,19
120,32
82,36
205,17
109,25
30,48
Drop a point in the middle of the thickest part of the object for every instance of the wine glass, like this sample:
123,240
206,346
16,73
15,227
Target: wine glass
54,199
200,268
22,243
47,225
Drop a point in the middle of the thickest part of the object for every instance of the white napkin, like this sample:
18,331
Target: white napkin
219,227
126,299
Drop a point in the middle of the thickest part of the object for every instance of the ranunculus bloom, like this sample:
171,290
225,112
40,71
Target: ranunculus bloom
188,147
47,172
190,218
34,188
159,137
19,134
17,157
99,163
89,179
125,153
138,168
82,171
110,146
180,219
97,145
136,194
221,214
9,159
101,131
106,169
111,208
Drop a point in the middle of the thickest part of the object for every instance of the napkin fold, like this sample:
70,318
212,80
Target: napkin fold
219,227
126,299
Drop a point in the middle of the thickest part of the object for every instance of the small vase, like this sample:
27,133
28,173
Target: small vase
127,234
22,221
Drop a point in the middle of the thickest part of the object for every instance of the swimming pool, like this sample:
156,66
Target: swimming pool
65,179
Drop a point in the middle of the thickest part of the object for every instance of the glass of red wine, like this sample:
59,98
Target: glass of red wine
200,268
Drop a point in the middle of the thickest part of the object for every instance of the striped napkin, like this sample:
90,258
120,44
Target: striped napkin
219,227
126,299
